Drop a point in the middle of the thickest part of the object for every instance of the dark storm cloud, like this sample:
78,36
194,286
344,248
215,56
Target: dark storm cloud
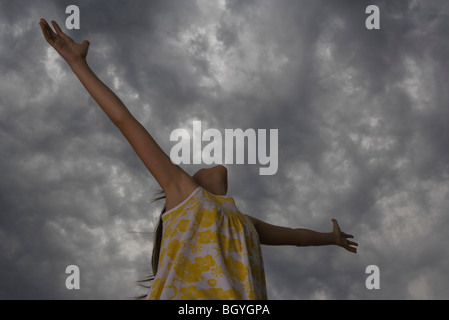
362,118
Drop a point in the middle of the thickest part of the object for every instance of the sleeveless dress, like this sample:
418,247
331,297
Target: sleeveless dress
209,251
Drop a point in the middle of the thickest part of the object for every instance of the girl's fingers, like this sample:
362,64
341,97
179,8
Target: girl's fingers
352,243
46,25
336,226
46,28
46,32
352,249
58,29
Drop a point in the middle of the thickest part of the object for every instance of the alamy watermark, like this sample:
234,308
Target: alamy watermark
73,280
373,280
371,22
224,148
73,20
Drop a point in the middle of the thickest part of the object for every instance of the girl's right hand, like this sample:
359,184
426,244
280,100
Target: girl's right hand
69,50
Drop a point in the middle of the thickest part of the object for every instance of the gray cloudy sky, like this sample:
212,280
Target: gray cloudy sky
363,137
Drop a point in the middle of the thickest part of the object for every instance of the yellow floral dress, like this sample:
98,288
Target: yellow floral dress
209,250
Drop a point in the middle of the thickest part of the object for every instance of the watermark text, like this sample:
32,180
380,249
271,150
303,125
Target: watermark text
236,142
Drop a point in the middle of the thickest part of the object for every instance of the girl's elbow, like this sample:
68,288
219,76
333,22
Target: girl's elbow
121,120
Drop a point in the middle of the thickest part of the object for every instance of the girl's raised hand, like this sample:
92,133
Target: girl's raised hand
69,50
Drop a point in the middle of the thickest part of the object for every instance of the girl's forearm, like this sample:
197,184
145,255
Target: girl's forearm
278,236
106,99
305,238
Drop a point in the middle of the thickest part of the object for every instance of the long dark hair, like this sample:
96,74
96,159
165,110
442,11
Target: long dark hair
146,282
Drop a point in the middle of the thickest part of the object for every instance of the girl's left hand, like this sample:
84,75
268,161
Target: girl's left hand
341,238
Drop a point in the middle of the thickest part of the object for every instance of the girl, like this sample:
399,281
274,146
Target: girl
205,248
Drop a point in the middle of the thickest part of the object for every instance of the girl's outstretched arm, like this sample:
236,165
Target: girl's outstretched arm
176,184
274,235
